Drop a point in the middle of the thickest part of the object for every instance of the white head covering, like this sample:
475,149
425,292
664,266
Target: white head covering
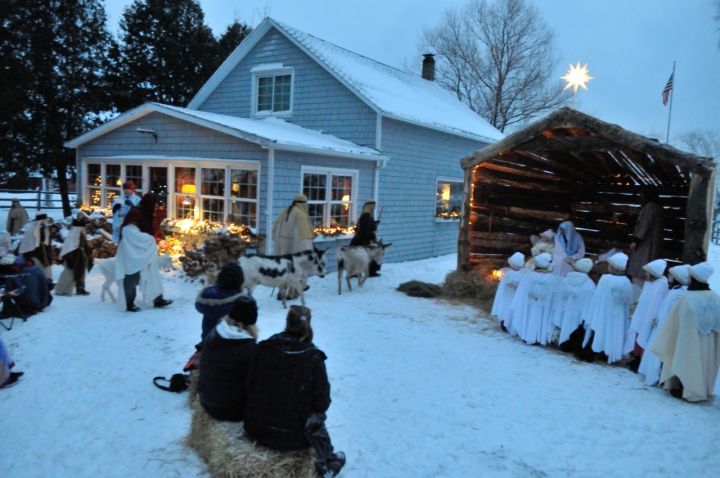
702,272
517,260
72,241
583,265
656,268
542,261
681,273
619,261
549,235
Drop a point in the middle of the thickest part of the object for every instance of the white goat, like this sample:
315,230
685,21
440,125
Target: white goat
107,267
354,261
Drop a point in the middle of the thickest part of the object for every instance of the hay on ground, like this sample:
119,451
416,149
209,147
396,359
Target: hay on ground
416,288
473,285
229,453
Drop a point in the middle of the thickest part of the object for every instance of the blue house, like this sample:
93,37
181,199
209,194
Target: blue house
288,112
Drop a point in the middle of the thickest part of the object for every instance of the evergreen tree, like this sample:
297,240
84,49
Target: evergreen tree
167,52
228,41
60,57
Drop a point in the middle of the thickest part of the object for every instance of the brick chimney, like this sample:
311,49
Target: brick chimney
428,70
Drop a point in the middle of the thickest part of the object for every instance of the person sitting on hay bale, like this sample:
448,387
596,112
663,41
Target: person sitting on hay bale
28,283
288,394
216,301
76,256
227,352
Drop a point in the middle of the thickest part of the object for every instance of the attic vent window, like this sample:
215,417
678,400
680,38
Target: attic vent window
272,92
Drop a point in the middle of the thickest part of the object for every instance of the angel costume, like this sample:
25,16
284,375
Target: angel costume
506,289
653,292
572,301
531,318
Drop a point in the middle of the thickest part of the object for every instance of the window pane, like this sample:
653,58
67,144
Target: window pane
184,207
314,186
134,173
243,213
243,184
448,199
94,197
185,177
213,182
112,175
316,214
282,93
110,194
94,178
212,209
341,188
339,215
264,95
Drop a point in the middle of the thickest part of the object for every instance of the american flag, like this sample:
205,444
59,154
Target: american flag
668,88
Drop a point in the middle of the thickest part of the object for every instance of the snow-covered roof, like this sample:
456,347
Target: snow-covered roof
268,132
391,92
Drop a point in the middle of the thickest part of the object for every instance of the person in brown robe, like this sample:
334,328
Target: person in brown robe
647,240
17,218
76,256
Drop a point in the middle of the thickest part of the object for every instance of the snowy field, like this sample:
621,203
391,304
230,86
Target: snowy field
420,388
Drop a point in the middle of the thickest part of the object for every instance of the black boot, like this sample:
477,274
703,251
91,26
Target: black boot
132,308
160,302
80,288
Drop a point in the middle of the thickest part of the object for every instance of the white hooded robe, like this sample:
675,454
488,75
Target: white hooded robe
571,303
653,292
608,316
531,318
504,295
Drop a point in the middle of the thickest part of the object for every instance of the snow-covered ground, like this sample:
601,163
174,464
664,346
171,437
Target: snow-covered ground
420,388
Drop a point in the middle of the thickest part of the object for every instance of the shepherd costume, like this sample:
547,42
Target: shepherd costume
121,206
653,292
650,364
17,218
608,314
76,256
688,344
647,238
531,318
366,232
507,288
569,247
35,243
570,307
293,231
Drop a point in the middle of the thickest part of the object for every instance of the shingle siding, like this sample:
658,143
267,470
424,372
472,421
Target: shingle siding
320,101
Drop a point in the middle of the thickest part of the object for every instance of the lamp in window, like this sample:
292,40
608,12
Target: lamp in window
188,190
118,182
346,200
235,187
445,195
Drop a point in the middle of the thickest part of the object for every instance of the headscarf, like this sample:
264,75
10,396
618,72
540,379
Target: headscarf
143,214
568,238
368,207
300,203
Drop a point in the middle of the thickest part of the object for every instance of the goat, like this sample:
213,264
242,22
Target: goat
286,272
107,267
355,262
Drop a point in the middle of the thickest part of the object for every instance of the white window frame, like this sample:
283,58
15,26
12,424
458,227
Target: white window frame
329,172
180,162
437,183
272,70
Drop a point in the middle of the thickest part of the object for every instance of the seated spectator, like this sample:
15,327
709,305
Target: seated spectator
34,287
216,301
227,352
7,377
288,394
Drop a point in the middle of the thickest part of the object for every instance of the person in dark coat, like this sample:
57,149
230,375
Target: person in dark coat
215,301
366,232
227,352
646,245
288,394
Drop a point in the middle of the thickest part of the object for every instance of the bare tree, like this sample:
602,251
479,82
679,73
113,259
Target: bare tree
498,59
703,143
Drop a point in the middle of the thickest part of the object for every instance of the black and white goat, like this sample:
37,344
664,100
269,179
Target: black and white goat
286,272
354,261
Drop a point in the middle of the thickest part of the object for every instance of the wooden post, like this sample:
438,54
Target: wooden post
697,223
465,226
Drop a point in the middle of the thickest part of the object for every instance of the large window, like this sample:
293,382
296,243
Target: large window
272,92
330,196
133,172
212,191
243,197
185,193
448,199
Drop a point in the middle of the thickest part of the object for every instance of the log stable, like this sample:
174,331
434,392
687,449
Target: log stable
571,166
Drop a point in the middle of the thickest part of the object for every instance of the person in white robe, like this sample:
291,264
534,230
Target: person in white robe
507,287
679,278
542,243
688,343
569,247
76,256
571,302
608,314
35,243
121,206
654,290
531,318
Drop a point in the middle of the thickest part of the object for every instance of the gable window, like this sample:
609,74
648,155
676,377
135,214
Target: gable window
448,199
331,196
272,90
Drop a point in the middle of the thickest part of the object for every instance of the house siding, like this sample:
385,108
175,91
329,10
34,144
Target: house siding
418,157
320,101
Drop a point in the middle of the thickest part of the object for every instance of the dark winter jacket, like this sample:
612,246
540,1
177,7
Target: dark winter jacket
366,231
224,365
214,303
143,215
286,384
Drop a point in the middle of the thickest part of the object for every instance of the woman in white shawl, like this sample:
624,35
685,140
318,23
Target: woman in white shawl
679,278
609,311
506,289
569,247
137,258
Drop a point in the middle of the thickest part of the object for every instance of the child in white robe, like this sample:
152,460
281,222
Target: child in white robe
653,292
679,279
608,314
507,287
531,305
571,303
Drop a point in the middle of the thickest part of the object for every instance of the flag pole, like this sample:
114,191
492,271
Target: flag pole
672,93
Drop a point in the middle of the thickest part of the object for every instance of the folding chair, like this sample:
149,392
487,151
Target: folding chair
12,288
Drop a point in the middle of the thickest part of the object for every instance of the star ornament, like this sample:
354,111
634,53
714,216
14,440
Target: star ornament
576,77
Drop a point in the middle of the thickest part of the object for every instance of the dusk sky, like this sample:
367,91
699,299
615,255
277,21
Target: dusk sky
629,46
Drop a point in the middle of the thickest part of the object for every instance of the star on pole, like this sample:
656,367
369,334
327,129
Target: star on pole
576,77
